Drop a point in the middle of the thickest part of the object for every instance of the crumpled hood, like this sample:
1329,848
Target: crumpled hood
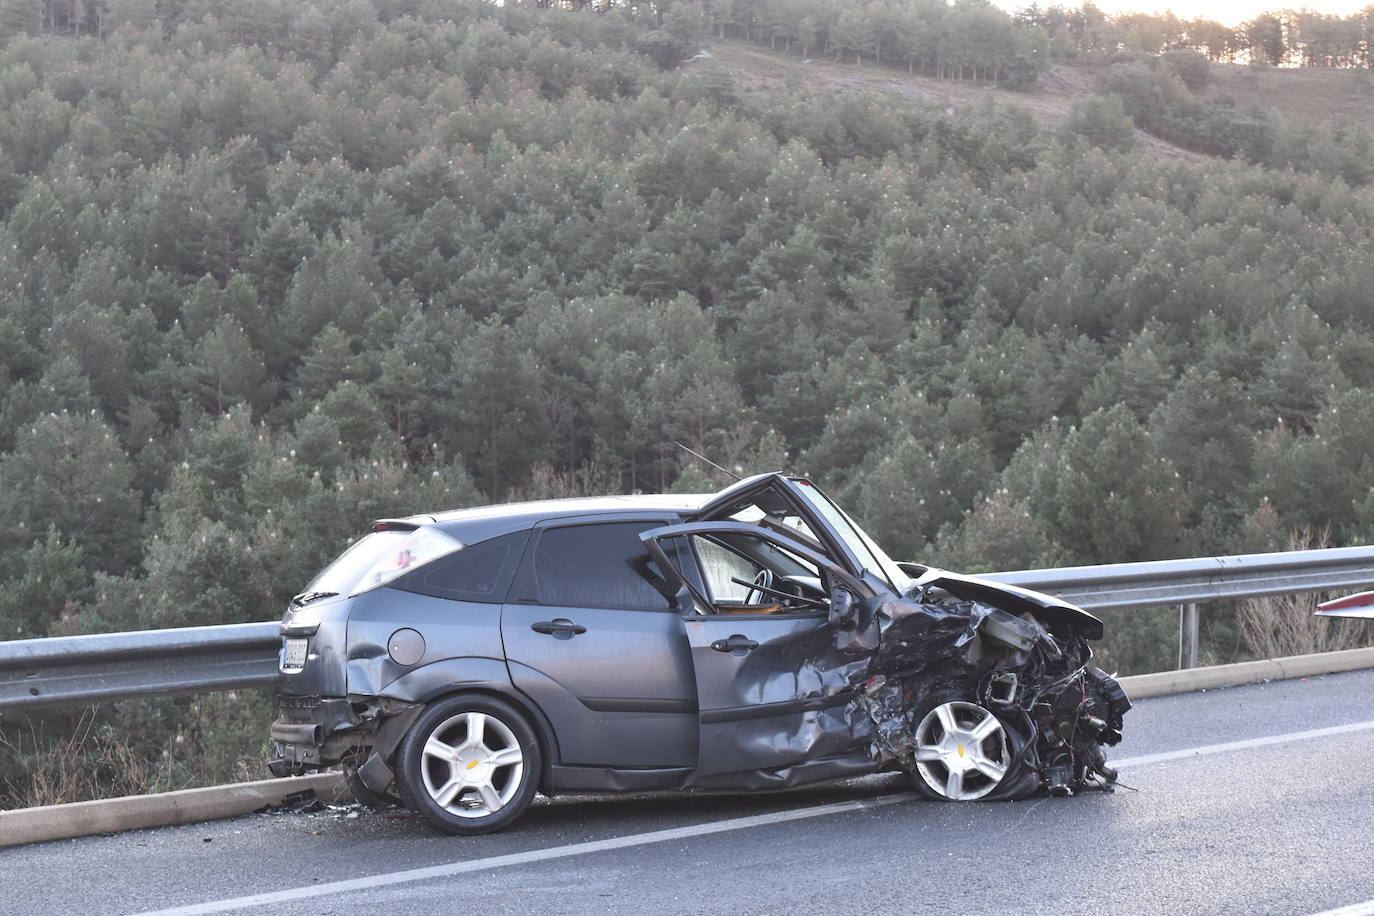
1061,617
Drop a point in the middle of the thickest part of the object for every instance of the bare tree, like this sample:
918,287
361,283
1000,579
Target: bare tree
1281,625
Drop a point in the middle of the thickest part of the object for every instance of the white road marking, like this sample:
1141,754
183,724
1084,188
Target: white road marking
533,855
1240,745
370,882
1355,909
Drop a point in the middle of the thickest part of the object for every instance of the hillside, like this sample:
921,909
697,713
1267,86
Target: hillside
757,67
1297,96
263,281
1308,96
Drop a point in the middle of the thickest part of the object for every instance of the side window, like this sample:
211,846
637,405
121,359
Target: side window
479,572
731,562
719,566
602,566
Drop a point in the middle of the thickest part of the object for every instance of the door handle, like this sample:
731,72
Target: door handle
558,628
736,643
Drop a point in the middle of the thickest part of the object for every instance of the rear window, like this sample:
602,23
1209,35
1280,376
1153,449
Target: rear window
478,572
343,575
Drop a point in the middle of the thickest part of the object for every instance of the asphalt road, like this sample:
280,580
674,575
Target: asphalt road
1281,825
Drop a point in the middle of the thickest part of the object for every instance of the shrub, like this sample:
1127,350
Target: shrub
1101,120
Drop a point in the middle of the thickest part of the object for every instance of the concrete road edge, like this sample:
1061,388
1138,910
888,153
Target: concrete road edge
188,806
164,809
1163,683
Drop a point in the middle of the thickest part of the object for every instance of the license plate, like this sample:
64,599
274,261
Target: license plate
293,654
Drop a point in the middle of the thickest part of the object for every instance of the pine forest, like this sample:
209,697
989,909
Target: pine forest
271,270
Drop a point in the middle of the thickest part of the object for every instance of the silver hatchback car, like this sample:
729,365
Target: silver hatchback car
756,639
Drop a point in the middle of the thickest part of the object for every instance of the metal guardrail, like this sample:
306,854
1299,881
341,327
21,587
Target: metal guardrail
1188,583
67,670
1165,582
38,673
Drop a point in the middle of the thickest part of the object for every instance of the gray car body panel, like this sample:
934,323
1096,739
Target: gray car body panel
620,694
325,624
648,698
773,715
452,630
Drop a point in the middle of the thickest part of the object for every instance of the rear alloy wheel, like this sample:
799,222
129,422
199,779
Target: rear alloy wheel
961,750
469,764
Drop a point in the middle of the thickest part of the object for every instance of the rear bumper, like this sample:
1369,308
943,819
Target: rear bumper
313,732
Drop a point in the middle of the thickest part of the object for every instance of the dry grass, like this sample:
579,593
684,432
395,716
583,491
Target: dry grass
135,748
1283,625
1048,102
92,763
1300,96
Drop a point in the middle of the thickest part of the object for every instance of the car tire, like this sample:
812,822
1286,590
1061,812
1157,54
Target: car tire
470,764
962,749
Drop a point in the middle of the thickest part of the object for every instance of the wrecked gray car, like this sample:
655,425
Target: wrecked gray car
752,640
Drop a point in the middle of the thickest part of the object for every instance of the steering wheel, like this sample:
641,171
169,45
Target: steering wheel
763,578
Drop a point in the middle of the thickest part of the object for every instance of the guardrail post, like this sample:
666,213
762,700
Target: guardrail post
1187,636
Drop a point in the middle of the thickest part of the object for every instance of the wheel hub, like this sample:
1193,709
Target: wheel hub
472,766
463,773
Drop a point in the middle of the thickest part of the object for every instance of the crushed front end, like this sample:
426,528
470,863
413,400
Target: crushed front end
982,692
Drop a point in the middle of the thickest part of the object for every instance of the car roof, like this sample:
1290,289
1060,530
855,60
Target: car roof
483,522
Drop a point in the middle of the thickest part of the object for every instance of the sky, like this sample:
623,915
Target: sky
1227,12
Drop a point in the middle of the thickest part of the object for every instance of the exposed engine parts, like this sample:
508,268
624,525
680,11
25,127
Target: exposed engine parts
1012,709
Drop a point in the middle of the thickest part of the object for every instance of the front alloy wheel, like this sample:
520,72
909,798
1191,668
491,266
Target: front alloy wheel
469,764
961,751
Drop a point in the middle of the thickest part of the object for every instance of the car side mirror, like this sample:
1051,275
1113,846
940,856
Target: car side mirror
841,609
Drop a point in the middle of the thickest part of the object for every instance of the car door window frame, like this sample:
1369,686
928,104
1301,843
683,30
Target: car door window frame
746,492
763,535
696,585
525,587
418,581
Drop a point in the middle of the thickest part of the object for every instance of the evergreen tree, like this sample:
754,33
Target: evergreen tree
68,472
1118,499
400,387
358,418
52,586
138,14
999,533
232,371
852,33
19,17
329,361
495,408
1204,428
1101,120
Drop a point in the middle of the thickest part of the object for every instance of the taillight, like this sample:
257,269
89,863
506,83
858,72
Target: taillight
391,524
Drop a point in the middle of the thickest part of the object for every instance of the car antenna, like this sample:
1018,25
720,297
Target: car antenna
707,460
